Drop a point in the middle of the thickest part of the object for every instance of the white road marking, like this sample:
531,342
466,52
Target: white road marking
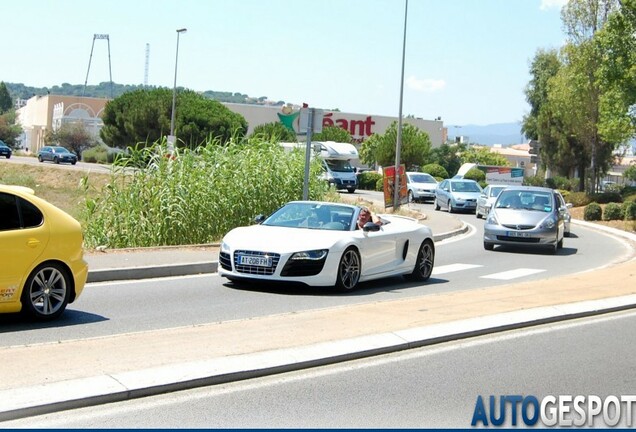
453,268
512,274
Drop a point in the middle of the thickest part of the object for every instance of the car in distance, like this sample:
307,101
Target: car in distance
43,269
5,150
319,244
457,195
420,186
56,154
526,216
487,198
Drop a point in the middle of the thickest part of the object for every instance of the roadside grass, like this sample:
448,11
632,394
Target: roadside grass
61,187
195,196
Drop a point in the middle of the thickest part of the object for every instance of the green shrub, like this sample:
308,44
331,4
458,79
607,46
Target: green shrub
97,154
607,197
436,170
613,211
475,174
578,199
565,194
629,194
534,181
592,212
101,154
616,188
368,180
379,184
629,210
563,183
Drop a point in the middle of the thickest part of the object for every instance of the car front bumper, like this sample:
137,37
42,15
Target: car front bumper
500,235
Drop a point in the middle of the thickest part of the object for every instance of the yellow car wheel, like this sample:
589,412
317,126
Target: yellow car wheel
46,292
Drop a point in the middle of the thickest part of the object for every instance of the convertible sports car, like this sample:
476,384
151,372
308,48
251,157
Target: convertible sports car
319,244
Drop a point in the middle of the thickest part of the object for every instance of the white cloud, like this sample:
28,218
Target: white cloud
425,85
549,4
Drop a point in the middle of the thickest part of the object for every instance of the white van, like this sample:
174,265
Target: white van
337,158
336,162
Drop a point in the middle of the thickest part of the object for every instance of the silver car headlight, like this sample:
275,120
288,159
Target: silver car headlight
225,247
492,219
313,255
549,222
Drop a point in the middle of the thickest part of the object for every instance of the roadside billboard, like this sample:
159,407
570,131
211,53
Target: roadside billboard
389,178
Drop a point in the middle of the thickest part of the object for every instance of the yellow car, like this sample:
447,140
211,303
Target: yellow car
42,267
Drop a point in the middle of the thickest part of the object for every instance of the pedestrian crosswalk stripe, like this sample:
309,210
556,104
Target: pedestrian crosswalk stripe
512,274
453,268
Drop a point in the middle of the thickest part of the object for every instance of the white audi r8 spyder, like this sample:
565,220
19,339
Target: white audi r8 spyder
319,244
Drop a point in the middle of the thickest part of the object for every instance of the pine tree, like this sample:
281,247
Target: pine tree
5,98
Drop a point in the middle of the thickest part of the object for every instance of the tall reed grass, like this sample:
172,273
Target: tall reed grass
195,196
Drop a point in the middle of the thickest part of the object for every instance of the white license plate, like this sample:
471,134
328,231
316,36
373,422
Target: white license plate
258,261
518,234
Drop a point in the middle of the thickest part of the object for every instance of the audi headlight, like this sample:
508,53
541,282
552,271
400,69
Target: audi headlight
225,247
313,255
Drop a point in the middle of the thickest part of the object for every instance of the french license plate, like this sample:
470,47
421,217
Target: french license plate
258,261
518,234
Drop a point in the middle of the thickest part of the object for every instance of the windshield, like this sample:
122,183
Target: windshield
313,216
496,190
465,186
60,150
523,200
422,178
339,165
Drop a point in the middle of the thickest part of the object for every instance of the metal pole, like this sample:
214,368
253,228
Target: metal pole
174,88
89,66
310,129
110,71
398,145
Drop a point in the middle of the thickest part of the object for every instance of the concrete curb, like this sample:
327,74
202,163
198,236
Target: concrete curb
148,272
71,394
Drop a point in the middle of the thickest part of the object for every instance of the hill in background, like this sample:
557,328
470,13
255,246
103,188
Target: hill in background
105,90
499,133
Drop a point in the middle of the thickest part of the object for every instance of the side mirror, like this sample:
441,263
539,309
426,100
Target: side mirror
259,219
370,226
568,205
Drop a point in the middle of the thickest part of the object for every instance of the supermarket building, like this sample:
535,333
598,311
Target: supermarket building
44,113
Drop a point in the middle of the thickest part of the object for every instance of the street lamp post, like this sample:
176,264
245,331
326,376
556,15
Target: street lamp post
398,144
171,139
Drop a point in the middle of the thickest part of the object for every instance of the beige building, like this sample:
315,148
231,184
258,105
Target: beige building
44,113
518,155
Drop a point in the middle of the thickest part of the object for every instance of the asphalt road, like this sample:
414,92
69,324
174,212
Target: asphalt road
461,264
433,387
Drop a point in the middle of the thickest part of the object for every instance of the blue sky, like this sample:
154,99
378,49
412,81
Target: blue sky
466,60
